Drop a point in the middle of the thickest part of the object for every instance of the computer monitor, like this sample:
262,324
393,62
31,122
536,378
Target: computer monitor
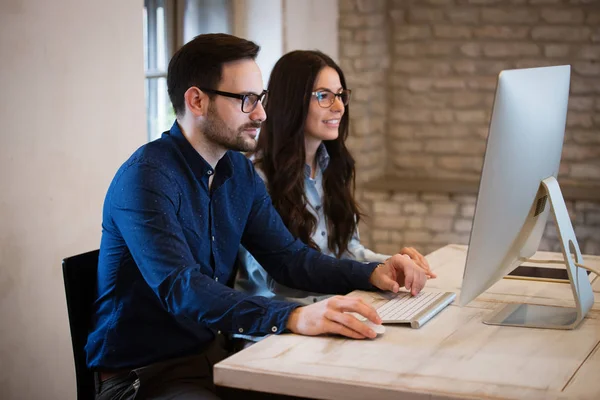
517,191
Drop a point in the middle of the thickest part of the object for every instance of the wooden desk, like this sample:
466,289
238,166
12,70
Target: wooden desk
454,356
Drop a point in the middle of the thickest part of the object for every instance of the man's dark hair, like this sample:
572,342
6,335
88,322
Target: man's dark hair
200,62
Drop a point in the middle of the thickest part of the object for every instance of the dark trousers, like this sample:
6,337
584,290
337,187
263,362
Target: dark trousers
185,378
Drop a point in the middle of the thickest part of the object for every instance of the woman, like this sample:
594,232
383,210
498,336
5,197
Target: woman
302,157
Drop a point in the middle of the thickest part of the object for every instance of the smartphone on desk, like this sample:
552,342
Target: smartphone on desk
537,273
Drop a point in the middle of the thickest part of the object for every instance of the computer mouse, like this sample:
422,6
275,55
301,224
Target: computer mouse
379,329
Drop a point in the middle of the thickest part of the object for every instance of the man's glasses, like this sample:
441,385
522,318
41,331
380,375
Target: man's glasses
327,97
249,101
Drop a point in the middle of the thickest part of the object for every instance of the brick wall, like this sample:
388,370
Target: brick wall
365,60
436,63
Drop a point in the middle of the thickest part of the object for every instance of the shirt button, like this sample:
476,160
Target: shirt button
241,330
216,279
212,238
274,329
323,233
209,172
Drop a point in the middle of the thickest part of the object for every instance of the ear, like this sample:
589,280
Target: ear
196,102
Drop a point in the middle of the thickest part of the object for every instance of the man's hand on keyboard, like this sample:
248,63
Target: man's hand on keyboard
420,260
398,271
333,316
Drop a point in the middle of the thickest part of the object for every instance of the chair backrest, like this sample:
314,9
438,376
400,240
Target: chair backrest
80,276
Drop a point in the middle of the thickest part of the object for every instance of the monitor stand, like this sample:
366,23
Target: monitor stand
554,317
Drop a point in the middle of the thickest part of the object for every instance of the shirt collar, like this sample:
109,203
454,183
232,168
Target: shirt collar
200,167
322,160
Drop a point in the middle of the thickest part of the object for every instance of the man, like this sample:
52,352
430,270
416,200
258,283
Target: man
173,219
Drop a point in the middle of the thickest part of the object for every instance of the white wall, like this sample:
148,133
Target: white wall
280,26
71,111
261,22
311,25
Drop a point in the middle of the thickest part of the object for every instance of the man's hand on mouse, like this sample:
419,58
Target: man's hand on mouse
397,271
333,316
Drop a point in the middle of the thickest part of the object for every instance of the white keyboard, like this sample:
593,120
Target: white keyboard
414,310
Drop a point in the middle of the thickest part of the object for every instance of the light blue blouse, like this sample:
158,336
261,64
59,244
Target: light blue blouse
253,279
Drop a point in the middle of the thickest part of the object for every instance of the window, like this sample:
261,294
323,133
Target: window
168,24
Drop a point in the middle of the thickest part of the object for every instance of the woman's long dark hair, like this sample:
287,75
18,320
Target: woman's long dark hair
281,154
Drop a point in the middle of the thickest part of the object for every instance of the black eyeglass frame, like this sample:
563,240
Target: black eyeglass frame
348,91
259,97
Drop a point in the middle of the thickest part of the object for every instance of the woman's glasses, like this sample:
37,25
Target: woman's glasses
327,97
249,101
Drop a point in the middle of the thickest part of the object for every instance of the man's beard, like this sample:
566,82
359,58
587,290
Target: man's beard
216,130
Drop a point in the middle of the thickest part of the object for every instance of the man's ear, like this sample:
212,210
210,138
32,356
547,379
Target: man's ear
196,101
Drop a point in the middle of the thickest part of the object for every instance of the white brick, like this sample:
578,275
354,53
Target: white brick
585,171
385,248
387,207
443,116
587,68
369,6
449,83
501,32
376,195
404,197
380,235
562,15
415,208
455,146
593,18
461,163
415,222
446,238
579,119
398,16
463,225
557,50
420,14
467,210
463,15
439,224
587,206
351,21
591,247
346,6
465,198
511,49
402,131
351,49
434,197
412,115
370,35
414,162
471,49
483,83
452,32
389,222
509,15
411,237
561,33
412,32
471,117
375,21
445,209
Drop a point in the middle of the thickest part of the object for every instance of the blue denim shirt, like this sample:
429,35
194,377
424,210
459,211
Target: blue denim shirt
254,279
168,249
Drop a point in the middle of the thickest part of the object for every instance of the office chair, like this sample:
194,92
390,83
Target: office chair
79,274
